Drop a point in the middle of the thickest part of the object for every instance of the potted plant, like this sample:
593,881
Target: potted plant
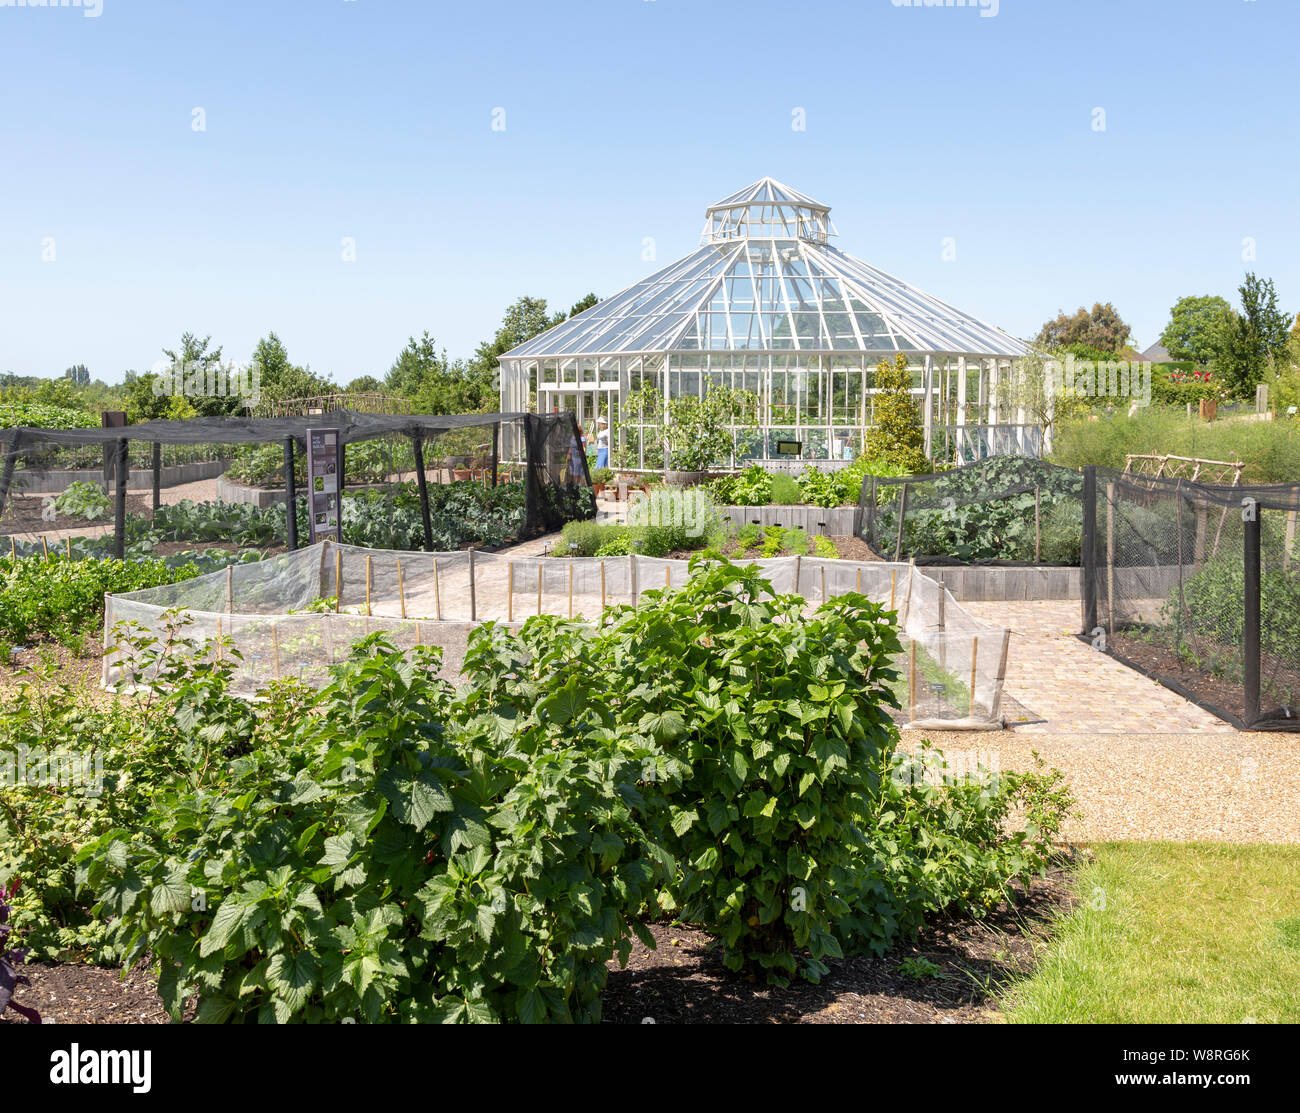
600,479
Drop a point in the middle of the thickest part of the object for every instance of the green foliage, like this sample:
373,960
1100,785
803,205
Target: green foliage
1194,325
602,475
785,490
1215,610
86,500
896,437
824,547
702,432
1271,449
1246,344
39,415
64,599
1100,328
986,512
402,855
751,487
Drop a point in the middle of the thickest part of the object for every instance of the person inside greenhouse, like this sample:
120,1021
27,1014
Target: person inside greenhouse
602,443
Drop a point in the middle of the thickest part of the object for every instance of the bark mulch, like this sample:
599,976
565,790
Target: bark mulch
683,981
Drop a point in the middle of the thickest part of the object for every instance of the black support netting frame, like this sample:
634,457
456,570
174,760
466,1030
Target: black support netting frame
1001,510
539,452
1198,586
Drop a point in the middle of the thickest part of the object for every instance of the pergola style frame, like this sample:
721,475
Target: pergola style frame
767,305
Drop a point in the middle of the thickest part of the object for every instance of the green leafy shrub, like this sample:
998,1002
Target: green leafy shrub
395,859
897,436
64,599
85,500
824,547
40,415
751,487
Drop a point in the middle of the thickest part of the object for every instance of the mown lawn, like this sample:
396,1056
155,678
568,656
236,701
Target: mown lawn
1173,933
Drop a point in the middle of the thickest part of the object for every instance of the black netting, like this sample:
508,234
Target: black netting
1002,510
411,482
1199,587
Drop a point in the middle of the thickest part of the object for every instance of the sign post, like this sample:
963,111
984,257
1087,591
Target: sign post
323,496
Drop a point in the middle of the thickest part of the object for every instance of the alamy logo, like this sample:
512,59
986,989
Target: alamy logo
91,9
102,1068
1085,378
208,380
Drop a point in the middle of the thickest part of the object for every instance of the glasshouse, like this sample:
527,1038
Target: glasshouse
766,306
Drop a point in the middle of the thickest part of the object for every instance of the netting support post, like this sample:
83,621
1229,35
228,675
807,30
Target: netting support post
1251,638
496,450
157,475
1088,549
7,478
119,509
291,497
422,484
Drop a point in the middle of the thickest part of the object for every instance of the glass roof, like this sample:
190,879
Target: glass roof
765,279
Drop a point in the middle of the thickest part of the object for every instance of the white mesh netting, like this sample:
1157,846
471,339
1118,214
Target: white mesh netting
951,670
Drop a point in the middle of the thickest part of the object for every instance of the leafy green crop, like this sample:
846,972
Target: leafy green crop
86,500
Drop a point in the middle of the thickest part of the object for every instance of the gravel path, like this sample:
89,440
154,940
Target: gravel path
1235,787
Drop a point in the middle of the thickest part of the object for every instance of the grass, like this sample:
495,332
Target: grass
1173,933
1271,449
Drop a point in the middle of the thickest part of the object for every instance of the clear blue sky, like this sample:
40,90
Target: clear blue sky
372,119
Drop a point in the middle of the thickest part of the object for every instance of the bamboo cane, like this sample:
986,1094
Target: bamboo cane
437,592
668,575
893,582
230,588
45,548
602,587
401,587
338,580
13,547
275,650
974,657
510,591
473,597
570,588
367,585
859,581
218,645
540,566
67,541
823,583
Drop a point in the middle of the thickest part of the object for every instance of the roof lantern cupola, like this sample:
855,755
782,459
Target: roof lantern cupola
767,210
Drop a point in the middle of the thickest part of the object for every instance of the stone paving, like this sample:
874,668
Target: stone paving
1066,687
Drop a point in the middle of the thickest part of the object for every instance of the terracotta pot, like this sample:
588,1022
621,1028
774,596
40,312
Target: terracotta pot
685,478
598,489
459,475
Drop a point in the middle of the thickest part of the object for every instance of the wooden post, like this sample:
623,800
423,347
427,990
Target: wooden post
230,588
1038,528
157,475
496,450
13,547
510,591
401,587
570,587
275,650
473,601
67,542
1110,558
540,566
45,547
893,583
218,641
367,585
632,575
338,580
859,579
602,587
823,583
974,657
437,592
797,567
